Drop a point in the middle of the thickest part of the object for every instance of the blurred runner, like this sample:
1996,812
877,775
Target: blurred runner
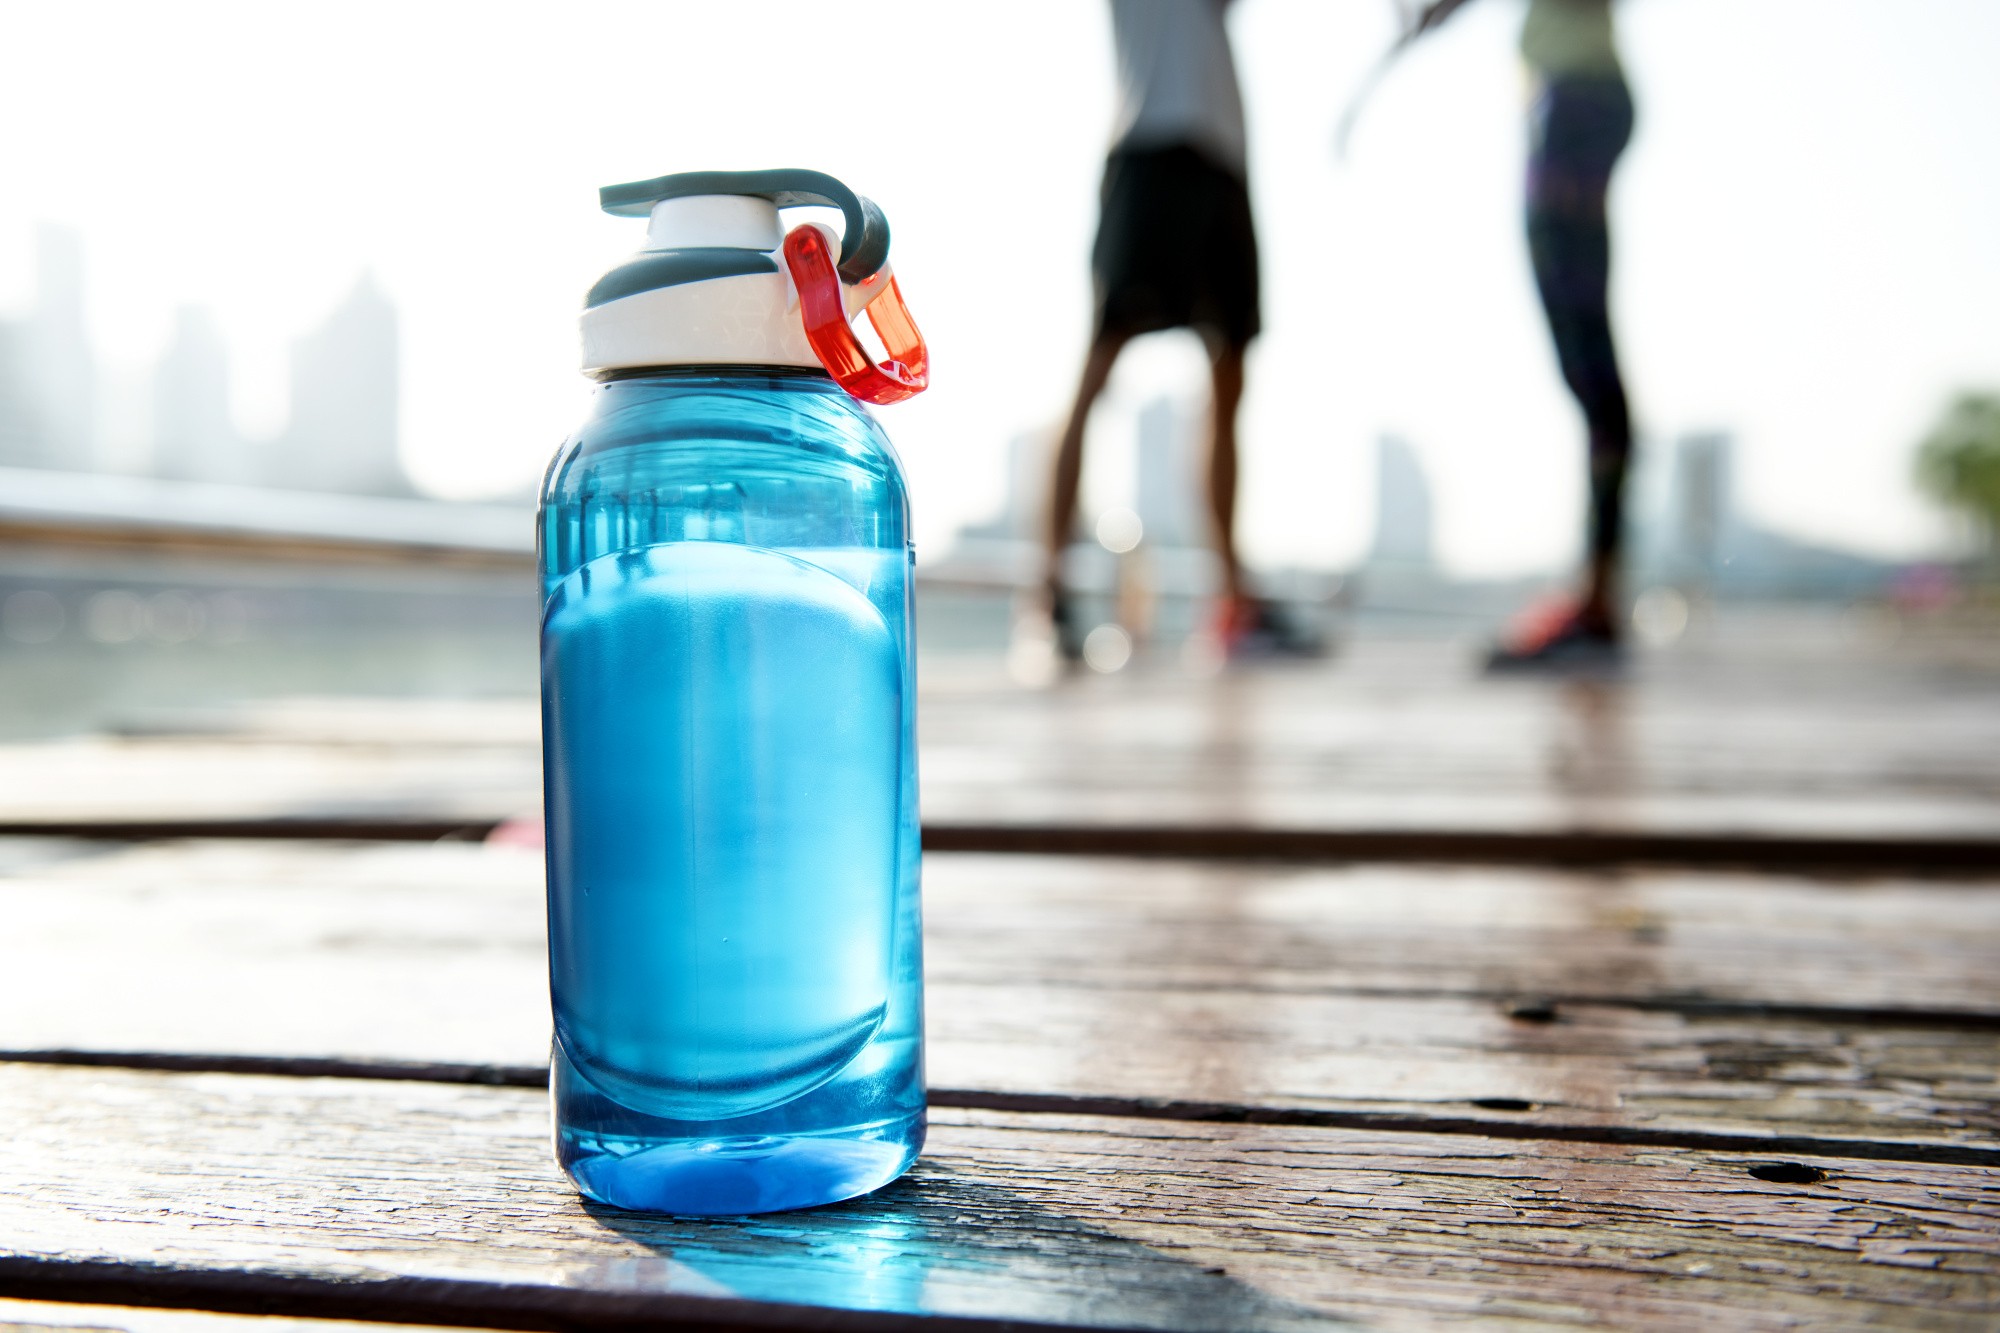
1580,123
1176,248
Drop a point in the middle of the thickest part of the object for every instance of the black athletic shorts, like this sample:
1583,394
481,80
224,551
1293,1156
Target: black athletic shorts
1175,247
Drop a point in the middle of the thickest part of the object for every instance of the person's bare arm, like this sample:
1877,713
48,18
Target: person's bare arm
1415,25
1431,15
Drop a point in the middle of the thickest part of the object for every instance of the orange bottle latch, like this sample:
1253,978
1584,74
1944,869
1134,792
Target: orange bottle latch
905,374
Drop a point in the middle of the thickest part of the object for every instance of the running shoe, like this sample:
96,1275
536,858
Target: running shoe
1250,628
1066,620
1554,638
1046,642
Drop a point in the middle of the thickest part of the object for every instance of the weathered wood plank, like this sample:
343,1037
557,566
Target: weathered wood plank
1661,1000
96,780
1683,938
1763,752
328,1198
1311,763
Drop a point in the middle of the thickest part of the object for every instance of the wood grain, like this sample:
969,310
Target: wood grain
1418,745
96,780
1703,941
1534,1002
330,1198
1398,760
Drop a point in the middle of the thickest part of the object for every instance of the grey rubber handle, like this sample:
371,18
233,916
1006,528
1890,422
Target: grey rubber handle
864,239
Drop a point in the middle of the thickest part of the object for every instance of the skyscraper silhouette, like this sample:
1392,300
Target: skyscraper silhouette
343,433
1166,477
1027,476
20,430
194,438
61,374
1402,508
1701,503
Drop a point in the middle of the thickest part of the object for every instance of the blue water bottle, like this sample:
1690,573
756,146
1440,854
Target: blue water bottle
728,714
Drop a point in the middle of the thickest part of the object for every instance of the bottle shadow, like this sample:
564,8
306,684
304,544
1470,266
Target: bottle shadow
938,1243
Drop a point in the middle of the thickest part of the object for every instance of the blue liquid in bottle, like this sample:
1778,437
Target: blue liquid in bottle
728,725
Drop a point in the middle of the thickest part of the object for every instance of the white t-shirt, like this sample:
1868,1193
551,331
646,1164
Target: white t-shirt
1176,80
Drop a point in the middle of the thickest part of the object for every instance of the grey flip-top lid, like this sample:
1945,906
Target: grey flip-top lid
864,243
710,287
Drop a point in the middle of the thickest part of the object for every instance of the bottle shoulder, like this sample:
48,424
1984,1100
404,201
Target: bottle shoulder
647,431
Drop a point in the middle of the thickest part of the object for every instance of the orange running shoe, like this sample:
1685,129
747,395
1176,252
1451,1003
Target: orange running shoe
1247,628
1553,637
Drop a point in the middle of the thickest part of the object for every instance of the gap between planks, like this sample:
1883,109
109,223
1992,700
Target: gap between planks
1181,983
450,1302
1574,848
345,1191
1137,1108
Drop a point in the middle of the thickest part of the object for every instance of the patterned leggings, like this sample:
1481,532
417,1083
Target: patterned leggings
1579,128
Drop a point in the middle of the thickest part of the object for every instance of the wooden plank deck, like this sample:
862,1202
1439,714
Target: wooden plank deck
1648,1007
1372,760
298,1078
410,1201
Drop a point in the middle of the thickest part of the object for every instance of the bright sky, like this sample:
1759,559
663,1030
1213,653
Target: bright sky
1805,227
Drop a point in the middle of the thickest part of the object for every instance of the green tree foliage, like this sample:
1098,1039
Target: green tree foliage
1959,461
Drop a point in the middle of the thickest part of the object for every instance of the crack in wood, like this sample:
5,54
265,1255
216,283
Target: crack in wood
284,1193
1931,855
447,1302
1137,1108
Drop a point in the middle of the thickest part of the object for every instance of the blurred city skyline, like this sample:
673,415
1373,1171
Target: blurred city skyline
178,421
1804,257
1691,535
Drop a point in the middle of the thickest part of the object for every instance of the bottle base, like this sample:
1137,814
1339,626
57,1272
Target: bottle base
727,1177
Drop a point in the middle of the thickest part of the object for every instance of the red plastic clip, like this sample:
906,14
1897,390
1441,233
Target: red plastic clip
906,374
